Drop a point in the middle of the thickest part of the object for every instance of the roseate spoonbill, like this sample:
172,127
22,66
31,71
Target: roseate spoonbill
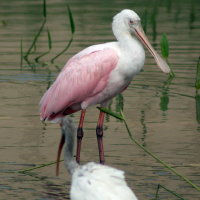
98,73
91,180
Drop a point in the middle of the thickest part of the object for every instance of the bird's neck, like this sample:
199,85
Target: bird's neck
68,131
129,42
123,35
71,165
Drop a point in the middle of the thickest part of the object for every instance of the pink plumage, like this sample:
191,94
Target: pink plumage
82,79
98,73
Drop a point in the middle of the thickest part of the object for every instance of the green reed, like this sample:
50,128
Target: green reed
169,191
169,5
72,25
144,127
38,167
121,117
164,44
35,40
33,44
32,48
154,22
119,102
49,47
197,101
145,20
197,83
21,55
192,15
177,14
197,86
167,166
44,9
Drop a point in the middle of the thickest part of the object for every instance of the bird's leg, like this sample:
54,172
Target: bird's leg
99,132
80,136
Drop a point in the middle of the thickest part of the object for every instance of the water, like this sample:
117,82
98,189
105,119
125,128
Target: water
163,116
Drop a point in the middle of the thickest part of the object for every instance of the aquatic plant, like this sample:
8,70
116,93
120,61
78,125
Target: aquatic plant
192,15
154,25
177,13
119,102
32,48
145,20
197,83
72,25
164,44
197,100
33,44
167,166
21,54
169,5
49,47
168,190
197,86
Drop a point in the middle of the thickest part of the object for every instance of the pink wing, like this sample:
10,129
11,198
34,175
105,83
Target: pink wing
83,76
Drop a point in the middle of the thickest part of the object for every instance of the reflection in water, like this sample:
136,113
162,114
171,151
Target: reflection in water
169,5
192,15
25,141
144,127
144,19
197,99
119,104
164,99
154,22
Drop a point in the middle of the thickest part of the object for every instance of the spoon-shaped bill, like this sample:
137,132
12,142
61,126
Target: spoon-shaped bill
160,62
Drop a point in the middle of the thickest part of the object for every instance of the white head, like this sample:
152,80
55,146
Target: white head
68,131
127,22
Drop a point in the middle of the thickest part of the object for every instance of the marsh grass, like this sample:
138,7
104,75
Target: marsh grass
32,49
154,22
197,96
34,42
167,166
197,100
164,44
35,39
192,15
145,20
119,102
72,25
121,117
168,190
21,55
44,9
49,47
197,83
38,167
169,5
177,14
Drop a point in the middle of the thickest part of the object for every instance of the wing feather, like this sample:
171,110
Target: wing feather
82,77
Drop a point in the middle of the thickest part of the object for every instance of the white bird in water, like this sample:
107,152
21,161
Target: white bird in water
98,73
91,181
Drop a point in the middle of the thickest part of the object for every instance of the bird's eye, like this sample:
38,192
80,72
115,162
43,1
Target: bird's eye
131,21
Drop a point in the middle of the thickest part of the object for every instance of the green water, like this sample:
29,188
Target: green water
163,115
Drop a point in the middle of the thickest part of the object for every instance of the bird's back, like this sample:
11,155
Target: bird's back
84,76
99,182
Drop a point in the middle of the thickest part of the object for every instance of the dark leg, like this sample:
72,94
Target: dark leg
99,132
80,136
